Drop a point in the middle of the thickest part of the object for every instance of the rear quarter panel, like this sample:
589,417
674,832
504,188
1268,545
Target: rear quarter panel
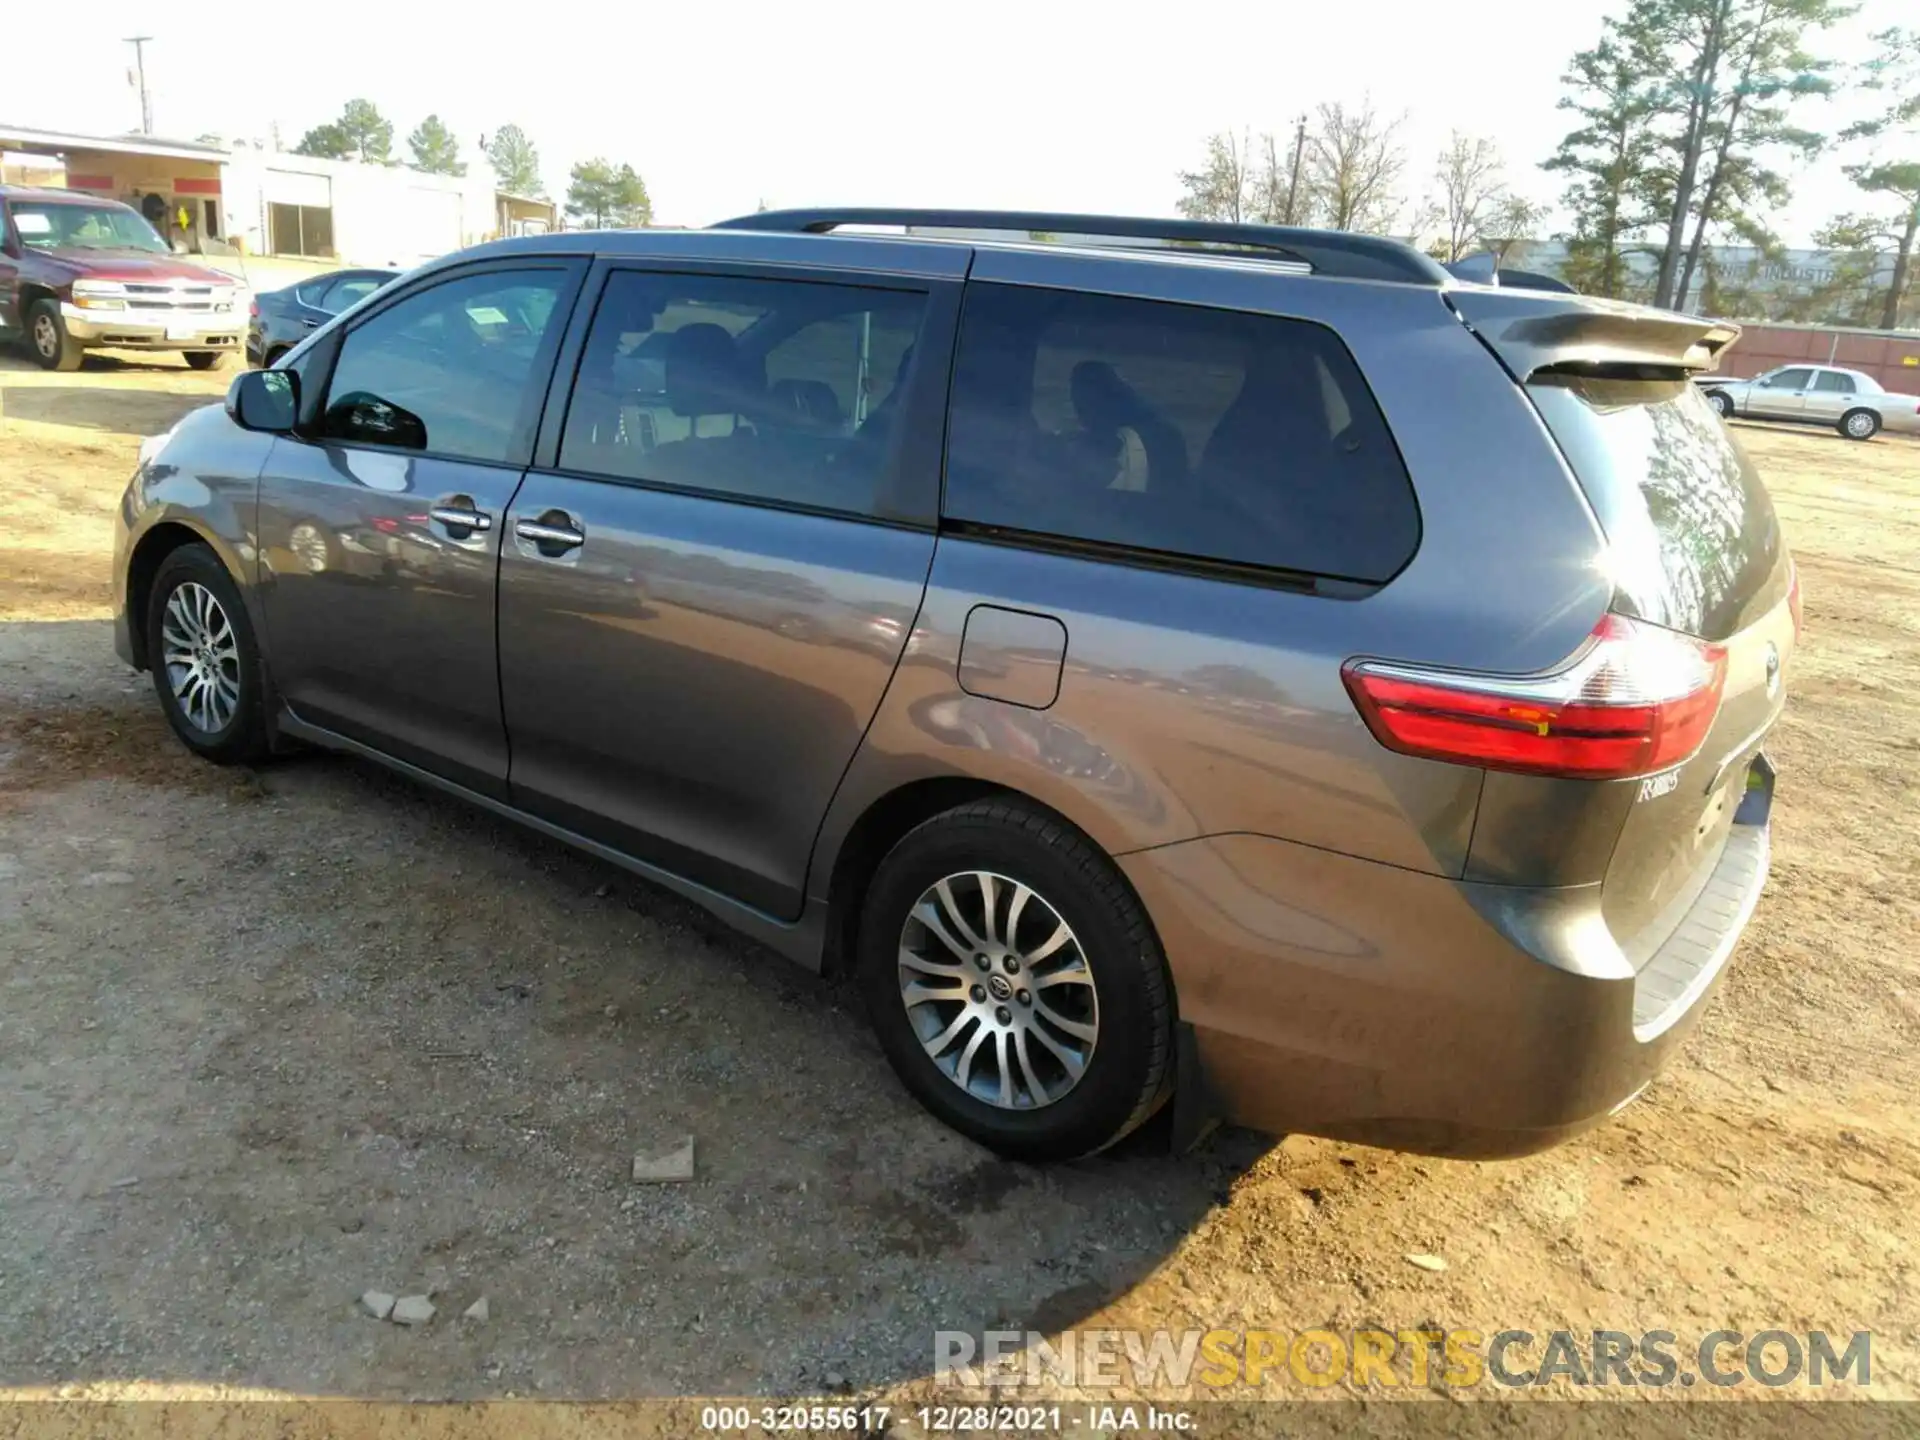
1192,706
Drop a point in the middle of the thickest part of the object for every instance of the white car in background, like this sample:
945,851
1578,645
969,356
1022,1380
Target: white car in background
1854,404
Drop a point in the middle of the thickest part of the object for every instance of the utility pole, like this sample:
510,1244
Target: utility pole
139,43
1293,185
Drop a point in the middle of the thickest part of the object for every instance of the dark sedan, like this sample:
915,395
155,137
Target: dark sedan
280,319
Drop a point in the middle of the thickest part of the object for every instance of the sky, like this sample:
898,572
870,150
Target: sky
993,104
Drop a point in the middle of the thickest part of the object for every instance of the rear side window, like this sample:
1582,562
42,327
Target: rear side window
782,391
348,292
1832,382
1693,541
1167,428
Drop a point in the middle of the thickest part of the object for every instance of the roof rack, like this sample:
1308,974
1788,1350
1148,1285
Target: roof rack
1327,252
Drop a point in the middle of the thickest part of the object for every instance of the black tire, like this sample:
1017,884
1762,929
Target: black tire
48,342
244,736
1859,424
1128,1073
1722,402
273,357
205,359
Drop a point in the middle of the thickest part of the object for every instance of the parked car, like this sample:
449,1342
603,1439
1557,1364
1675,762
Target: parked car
1854,404
1299,719
278,320
79,273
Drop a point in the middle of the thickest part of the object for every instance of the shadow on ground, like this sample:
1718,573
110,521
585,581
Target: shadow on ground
120,410
277,1037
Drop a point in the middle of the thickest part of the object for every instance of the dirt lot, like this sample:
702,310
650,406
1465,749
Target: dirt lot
271,1039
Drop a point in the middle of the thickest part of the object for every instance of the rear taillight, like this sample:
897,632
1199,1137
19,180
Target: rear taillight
1793,603
253,309
1632,700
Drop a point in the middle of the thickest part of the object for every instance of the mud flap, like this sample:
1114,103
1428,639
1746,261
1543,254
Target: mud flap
1195,1110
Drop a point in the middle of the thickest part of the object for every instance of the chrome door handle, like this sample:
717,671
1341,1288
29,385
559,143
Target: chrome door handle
455,517
559,537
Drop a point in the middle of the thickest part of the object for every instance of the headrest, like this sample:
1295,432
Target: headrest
703,373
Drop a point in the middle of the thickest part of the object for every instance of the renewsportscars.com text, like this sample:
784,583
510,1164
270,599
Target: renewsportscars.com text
1421,1358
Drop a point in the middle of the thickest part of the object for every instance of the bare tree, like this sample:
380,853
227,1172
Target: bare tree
1511,225
1470,182
1355,159
1283,190
1270,177
1222,188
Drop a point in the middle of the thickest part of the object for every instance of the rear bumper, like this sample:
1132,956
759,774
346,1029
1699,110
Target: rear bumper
121,331
1335,996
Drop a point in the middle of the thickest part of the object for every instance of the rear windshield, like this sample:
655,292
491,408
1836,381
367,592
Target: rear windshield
1693,539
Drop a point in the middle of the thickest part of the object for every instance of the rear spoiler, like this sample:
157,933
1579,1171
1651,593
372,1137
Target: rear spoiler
1532,331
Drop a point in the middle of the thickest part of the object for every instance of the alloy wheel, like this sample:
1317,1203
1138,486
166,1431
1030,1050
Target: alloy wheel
46,336
998,990
202,657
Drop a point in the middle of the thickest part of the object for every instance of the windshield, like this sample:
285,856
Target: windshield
58,226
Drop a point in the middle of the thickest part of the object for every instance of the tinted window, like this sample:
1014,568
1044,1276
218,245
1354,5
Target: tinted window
455,369
1832,382
1788,380
1692,535
1205,433
772,389
349,291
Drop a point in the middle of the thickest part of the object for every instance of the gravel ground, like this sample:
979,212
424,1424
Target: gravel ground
270,1039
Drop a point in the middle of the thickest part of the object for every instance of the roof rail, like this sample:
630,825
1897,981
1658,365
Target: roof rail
1328,252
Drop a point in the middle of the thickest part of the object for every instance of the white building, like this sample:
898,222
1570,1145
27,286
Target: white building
268,203
296,205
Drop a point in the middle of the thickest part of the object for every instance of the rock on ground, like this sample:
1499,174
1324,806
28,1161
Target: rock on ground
665,1166
412,1310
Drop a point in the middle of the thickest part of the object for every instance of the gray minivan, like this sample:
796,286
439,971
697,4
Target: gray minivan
1227,668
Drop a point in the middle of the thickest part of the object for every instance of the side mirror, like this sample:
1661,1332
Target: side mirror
364,416
266,400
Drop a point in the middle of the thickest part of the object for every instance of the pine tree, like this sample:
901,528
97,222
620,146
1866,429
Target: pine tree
601,196
434,148
1607,158
1893,172
516,164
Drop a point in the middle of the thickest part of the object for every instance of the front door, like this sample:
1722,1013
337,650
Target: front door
380,524
703,601
1781,395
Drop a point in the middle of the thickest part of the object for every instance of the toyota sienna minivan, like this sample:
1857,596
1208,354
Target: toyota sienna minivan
1240,669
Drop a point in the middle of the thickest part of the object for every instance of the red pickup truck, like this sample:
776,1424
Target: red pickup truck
79,273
